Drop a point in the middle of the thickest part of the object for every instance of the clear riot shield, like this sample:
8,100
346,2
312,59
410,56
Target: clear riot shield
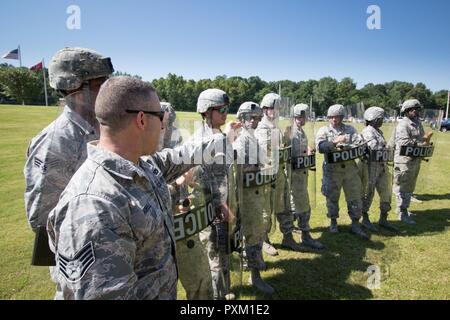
215,237
428,150
255,181
303,167
281,163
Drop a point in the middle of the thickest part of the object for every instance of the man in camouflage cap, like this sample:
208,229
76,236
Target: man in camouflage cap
112,230
299,184
375,172
409,131
342,175
58,151
251,159
212,105
266,133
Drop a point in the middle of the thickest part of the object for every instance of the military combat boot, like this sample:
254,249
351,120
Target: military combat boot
404,217
268,248
356,229
289,242
367,224
385,224
309,242
256,281
334,226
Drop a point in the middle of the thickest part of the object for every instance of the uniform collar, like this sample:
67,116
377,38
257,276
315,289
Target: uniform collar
78,120
112,162
411,122
267,122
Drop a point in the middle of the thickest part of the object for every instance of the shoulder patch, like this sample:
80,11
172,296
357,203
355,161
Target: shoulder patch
73,270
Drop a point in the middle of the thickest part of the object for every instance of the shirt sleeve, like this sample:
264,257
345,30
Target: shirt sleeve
95,250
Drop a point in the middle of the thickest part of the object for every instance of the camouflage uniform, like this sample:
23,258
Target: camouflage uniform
254,200
112,230
253,196
299,178
264,133
340,175
192,259
53,156
406,169
376,174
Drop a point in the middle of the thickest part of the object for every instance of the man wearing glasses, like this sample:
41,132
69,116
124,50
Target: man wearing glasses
59,150
406,169
112,230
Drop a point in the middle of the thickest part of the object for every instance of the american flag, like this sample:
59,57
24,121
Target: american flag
13,54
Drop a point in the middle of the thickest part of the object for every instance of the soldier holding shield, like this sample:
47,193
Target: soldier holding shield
376,174
302,159
254,188
340,170
409,133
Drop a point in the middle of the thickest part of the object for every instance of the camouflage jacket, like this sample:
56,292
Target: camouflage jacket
299,142
374,138
112,230
249,153
407,132
326,135
53,156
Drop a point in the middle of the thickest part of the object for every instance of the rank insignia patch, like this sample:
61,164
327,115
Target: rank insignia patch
74,269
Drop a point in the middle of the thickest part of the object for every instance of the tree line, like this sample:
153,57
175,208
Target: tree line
22,84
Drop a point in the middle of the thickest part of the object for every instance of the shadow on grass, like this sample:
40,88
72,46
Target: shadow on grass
326,276
429,197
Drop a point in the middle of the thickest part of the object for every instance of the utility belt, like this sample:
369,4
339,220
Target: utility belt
192,222
347,154
303,162
417,151
258,178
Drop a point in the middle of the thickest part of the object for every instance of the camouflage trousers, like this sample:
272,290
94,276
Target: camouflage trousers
215,240
253,224
376,176
280,200
193,269
344,175
405,179
300,199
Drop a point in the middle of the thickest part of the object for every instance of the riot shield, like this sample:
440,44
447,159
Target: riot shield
281,164
428,151
215,237
302,165
254,189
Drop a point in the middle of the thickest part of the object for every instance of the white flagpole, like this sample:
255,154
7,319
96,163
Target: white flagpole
20,64
45,82
20,56
448,98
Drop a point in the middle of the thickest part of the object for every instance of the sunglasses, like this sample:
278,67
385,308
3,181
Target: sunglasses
221,109
159,114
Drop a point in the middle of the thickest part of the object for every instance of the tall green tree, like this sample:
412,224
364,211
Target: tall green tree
20,84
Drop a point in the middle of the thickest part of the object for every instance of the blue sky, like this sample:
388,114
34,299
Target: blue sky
276,40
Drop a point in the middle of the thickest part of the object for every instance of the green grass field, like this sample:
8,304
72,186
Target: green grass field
414,264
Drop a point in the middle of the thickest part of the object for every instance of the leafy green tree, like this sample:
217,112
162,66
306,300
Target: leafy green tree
20,84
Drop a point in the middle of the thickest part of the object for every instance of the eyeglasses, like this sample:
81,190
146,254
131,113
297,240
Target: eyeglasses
159,114
223,109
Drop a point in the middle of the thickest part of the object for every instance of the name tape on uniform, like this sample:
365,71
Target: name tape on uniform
417,151
259,178
386,155
347,155
192,222
304,162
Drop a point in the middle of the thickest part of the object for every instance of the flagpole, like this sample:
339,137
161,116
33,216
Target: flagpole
20,64
20,57
45,82
448,98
